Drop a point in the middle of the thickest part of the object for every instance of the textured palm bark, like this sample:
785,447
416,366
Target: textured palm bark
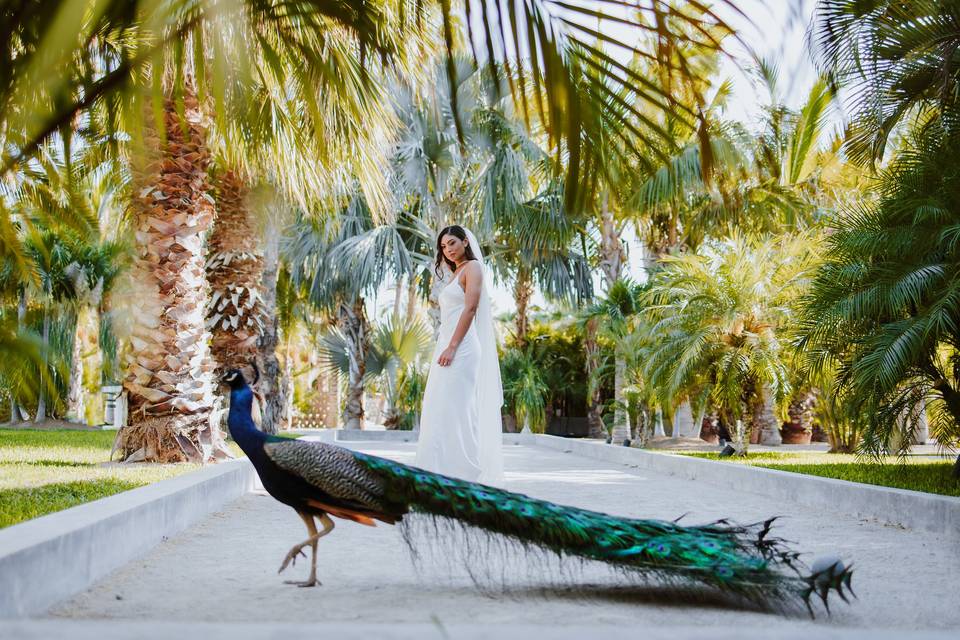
592,362
272,386
75,398
237,314
522,292
411,299
169,369
353,322
621,422
613,256
764,417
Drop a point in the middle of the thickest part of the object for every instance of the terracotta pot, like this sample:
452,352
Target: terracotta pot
792,435
710,430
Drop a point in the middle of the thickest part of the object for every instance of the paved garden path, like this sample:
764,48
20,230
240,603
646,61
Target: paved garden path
218,579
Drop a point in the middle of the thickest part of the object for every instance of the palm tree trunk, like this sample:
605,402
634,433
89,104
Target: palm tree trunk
765,418
272,386
75,404
236,316
592,363
169,367
17,412
683,426
42,401
621,425
522,291
613,256
288,383
411,299
397,297
234,269
353,323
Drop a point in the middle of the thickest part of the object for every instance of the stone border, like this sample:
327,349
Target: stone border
359,435
49,559
124,629
900,507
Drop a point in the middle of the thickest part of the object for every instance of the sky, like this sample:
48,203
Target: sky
776,30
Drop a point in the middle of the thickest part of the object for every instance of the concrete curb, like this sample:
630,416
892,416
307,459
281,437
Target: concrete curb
163,630
359,435
48,559
910,509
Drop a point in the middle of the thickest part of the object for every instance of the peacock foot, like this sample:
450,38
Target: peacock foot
291,557
309,582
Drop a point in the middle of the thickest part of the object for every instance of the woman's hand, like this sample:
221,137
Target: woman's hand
446,357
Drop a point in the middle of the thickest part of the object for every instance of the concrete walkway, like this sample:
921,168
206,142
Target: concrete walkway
218,579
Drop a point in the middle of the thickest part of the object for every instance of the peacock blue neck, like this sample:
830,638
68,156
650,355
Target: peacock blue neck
241,425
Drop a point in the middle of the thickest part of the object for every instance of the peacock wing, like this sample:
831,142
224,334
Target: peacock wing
331,469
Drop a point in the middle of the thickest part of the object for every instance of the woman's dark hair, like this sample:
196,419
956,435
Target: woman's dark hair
459,232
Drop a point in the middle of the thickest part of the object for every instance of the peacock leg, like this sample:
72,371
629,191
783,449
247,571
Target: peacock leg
312,541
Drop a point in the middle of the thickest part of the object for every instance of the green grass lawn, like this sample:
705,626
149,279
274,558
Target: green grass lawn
46,471
917,473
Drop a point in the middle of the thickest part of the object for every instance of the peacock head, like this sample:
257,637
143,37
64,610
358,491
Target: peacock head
234,378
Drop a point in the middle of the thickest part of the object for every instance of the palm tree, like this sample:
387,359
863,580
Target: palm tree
766,182
562,78
535,243
885,306
338,262
718,319
524,387
395,346
895,60
237,311
168,377
612,316
61,201
73,277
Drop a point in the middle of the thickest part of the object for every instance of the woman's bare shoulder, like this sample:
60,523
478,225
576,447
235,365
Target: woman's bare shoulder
472,273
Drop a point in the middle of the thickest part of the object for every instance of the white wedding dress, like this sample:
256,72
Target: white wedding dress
460,429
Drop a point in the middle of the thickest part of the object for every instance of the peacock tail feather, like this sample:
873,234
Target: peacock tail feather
740,559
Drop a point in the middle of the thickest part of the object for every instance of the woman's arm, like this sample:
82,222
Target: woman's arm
473,274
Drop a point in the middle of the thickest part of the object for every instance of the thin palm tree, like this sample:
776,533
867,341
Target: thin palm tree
395,345
338,262
612,315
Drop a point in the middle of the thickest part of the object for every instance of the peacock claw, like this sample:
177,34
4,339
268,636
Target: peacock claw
292,557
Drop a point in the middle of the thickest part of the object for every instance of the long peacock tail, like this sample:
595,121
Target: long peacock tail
740,559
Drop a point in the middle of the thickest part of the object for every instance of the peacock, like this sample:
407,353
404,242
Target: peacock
320,480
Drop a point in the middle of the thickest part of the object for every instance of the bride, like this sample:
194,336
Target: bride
460,423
